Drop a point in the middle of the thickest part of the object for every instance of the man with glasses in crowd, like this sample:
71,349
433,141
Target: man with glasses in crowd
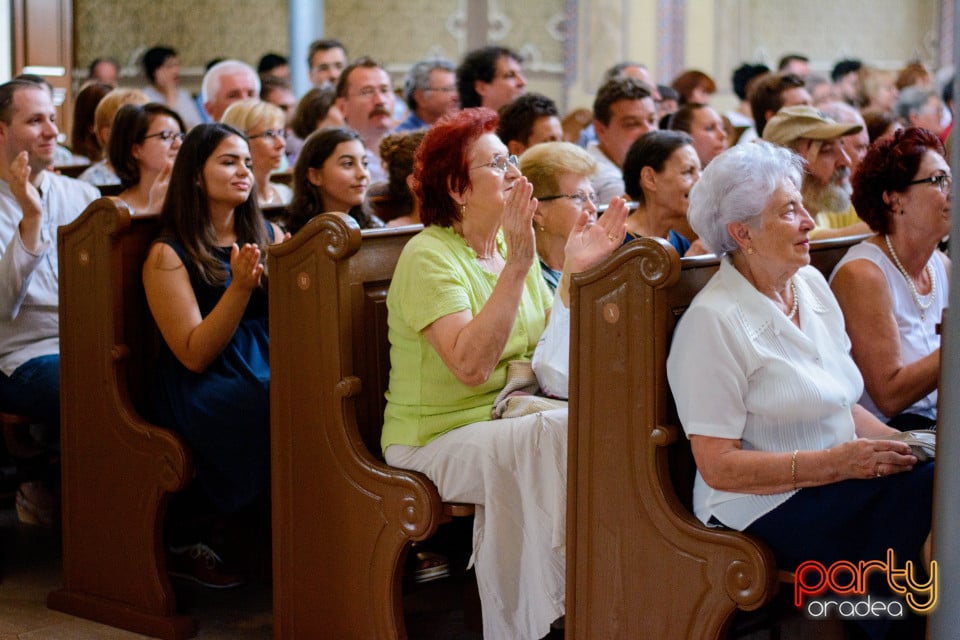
365,98
430,90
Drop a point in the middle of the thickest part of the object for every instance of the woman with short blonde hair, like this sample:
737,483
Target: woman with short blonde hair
263,124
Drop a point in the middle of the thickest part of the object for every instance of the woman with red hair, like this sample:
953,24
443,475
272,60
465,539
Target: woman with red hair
694,87
467,297
892,287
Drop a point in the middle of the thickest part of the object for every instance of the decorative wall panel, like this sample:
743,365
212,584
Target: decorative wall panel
198,29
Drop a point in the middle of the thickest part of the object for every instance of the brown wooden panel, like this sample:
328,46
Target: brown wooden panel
118,470
329,363
43,35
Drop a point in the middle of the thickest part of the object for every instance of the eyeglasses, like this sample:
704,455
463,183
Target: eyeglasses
500,163
271,134
327,66
943,182
370,91
442,89
167,136
579,198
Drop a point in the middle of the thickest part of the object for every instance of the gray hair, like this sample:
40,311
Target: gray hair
912,99
735,187
211,79
843,113
418,77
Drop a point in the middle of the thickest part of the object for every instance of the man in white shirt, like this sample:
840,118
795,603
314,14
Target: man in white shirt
33,203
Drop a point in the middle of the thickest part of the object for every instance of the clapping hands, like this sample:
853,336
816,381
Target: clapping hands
589,242
245,266
517,223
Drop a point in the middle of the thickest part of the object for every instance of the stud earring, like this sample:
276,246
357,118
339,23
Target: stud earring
750,251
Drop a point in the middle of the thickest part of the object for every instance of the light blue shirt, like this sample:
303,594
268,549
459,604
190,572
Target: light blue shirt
29,282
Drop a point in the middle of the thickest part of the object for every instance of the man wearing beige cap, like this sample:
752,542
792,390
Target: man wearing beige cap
826,182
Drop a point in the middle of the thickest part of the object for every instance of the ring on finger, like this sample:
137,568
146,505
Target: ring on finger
878,470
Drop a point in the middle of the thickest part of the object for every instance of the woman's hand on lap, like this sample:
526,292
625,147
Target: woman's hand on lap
865,458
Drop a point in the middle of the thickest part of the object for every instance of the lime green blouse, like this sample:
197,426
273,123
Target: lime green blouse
438,274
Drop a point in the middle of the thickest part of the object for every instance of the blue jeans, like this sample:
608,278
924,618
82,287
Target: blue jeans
34,390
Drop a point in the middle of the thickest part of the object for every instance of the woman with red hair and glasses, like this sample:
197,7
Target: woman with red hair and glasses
892,287
467,297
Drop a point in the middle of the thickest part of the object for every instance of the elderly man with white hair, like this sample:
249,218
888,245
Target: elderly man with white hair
227,82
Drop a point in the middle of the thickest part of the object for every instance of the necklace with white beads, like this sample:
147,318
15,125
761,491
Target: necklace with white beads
913,288
796,301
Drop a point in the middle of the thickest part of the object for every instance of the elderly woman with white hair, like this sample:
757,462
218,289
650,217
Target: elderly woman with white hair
767,392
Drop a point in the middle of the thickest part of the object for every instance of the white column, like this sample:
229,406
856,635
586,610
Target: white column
305,24
945,620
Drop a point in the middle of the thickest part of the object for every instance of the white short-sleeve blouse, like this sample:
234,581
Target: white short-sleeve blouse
739,369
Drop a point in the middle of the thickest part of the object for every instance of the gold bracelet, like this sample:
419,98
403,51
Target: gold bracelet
793,468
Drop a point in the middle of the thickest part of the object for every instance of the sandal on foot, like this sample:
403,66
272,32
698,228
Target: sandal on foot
429,566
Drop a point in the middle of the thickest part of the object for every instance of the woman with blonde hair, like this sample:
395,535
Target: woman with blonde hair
101,173
263,124
560,173
877,89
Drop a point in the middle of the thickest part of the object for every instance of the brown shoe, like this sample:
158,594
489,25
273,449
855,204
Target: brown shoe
201,564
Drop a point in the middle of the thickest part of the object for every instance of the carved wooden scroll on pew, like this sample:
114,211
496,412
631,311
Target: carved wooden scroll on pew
639,564
342,517
118,470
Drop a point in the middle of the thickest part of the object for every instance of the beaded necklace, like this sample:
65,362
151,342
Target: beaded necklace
796,301
913,288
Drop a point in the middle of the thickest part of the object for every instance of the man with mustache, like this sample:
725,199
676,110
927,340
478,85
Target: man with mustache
365,98
826,186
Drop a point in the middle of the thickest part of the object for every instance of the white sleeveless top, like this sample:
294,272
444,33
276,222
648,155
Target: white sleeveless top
918,338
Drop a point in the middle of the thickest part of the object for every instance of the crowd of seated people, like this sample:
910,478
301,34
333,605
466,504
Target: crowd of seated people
511,228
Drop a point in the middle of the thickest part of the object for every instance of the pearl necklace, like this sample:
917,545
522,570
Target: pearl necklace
913,288
796,301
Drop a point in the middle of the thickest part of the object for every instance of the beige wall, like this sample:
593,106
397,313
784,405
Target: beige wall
409,30
198,29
